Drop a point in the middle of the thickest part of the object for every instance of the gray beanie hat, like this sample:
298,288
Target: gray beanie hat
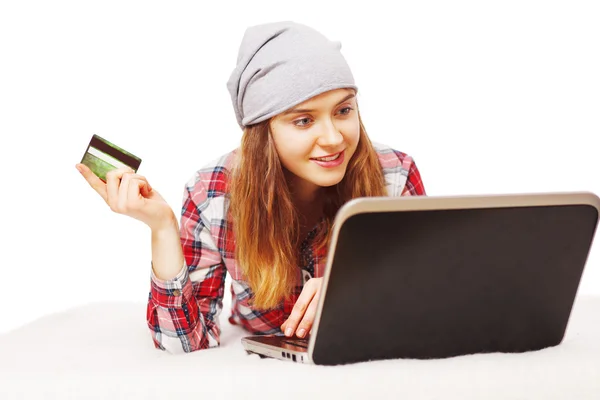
281,65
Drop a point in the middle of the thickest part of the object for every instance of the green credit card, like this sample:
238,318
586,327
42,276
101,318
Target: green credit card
102,156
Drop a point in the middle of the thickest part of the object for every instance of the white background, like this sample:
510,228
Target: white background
488,97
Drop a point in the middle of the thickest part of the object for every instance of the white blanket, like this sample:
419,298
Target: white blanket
105,351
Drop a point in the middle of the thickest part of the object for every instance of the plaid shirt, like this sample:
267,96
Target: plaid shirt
183,313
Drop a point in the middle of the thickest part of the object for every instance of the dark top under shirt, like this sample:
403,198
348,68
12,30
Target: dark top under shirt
306,254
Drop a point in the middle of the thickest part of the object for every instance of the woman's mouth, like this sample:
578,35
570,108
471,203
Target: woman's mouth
330,161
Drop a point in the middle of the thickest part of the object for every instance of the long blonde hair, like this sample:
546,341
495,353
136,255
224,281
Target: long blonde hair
264,218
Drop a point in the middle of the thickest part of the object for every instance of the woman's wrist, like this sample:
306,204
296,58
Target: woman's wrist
165,224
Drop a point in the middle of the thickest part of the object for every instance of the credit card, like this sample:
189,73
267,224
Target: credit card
102,156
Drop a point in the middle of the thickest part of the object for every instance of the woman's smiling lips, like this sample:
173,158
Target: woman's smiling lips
330,163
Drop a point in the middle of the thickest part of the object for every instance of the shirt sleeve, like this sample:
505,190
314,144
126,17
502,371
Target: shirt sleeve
183,313
414,184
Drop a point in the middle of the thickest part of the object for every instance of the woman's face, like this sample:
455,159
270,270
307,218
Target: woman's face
326,125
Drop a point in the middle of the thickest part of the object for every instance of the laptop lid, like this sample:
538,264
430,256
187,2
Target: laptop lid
432,277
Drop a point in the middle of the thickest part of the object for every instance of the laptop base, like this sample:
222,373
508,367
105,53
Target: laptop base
279,347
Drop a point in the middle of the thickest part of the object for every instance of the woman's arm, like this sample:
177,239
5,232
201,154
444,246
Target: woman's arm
188,274
187,282
167,255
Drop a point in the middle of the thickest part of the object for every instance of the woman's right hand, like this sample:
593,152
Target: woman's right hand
130,194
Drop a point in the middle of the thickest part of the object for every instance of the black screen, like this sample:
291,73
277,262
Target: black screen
432,284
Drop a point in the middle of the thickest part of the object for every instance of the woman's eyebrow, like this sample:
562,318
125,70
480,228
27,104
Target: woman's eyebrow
306,110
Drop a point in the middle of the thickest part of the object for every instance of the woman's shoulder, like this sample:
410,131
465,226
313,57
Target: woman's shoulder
211,180
392,158
398,168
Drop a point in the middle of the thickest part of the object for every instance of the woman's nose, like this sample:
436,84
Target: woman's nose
330,135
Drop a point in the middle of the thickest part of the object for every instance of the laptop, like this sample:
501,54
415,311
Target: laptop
437,277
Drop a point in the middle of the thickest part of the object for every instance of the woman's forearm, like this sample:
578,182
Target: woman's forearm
167,254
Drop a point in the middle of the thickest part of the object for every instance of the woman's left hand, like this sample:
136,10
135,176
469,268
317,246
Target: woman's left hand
303,314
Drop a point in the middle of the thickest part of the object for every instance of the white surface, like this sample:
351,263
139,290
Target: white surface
489,97
104,351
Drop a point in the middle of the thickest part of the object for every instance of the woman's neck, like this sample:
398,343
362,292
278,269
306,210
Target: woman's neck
310,212
308,199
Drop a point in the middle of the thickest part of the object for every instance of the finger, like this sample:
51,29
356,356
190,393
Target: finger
145,188
135,193
125,201
308,292
308,319
299,308
113,182
95,182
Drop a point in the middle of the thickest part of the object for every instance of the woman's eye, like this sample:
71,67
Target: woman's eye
302,122
346,110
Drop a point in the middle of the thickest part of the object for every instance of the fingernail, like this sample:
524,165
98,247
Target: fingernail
301,332
288,332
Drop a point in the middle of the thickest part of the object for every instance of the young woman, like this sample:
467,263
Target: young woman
263,212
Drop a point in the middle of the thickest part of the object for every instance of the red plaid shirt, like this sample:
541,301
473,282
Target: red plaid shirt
183,313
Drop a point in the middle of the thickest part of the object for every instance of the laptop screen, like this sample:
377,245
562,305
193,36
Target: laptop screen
440,283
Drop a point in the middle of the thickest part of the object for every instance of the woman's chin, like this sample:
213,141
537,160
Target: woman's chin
328,180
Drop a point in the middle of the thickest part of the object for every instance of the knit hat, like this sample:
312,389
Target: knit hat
281,65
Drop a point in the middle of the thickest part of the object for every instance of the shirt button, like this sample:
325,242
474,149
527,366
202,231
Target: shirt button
176,292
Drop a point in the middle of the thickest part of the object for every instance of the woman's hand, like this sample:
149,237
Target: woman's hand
130,194
303,314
